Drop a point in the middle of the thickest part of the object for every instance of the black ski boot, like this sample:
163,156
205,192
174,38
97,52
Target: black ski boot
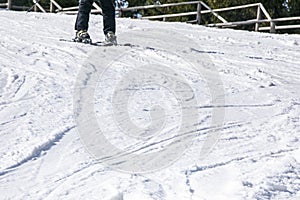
83,36
110,38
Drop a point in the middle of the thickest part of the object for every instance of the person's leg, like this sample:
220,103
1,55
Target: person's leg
109,19
82,20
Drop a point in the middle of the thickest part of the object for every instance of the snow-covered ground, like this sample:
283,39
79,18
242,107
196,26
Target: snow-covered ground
249,82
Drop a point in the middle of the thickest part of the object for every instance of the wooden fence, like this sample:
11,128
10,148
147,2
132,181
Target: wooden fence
262,16
72,10
54,7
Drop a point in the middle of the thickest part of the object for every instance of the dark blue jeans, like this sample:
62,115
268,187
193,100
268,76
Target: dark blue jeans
108,9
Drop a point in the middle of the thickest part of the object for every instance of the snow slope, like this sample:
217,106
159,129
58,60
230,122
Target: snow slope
42,155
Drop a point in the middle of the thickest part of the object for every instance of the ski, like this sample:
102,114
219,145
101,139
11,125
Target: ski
99,43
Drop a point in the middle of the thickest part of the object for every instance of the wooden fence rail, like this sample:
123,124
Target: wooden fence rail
9,5
3,4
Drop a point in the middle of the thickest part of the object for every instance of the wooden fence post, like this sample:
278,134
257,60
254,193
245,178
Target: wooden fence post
198,19
54,4
9,4
37,5
51,7
35,8
273,27
258,18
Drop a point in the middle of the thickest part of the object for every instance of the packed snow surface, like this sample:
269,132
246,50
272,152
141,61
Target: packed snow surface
42,154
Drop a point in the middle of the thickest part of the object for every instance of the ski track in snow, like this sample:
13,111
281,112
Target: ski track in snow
41,154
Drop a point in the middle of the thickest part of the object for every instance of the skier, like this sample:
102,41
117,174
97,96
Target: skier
109,21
